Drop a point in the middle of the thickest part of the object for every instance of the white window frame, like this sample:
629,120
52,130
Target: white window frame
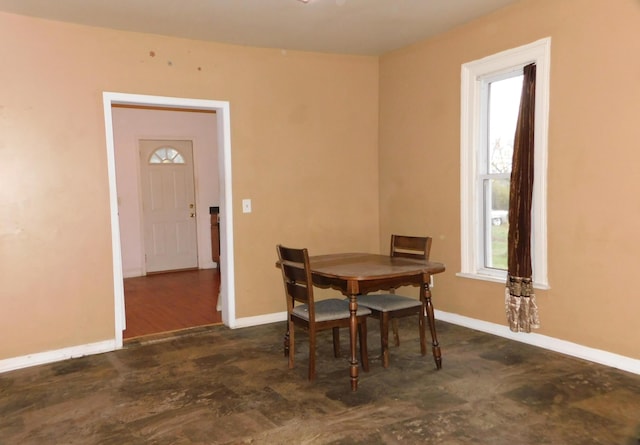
474,79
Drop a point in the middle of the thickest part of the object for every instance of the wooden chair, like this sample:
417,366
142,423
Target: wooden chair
389,306
305,312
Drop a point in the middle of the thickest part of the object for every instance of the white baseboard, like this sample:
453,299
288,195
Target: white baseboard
575,350
542,341
208,265
138,272
132,272
42,358
565,347
260,319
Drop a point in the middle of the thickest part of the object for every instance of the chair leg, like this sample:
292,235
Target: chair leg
312,354
364,353
384,338
421,327
336,342
394,327
286,342
291,343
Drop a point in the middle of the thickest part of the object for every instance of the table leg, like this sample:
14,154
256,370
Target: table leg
432,325
353,335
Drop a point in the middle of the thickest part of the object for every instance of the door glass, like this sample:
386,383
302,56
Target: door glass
166,155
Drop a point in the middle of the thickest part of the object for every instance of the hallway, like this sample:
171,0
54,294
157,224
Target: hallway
171,301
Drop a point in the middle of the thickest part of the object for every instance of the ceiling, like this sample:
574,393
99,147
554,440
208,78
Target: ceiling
366,27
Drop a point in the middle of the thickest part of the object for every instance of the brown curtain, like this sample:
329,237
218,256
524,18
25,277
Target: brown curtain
520,303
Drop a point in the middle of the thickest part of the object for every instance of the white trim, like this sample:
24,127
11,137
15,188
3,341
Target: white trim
261,319
472,74
495,279
42,358
133,272
542,341
118,283
227,285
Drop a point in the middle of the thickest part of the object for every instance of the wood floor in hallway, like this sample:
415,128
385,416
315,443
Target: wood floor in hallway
171,301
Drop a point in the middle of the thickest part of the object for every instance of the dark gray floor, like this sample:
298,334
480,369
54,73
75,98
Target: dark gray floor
220,386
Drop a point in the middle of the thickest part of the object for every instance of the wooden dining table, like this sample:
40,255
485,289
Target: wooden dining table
355,274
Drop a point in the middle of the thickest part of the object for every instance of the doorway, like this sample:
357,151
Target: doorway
227,288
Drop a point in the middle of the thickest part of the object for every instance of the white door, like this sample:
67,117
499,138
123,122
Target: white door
168,200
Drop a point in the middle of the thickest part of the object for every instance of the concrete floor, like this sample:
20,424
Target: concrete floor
219,386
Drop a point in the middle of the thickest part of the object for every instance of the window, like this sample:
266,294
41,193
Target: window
490,95
500,102
166,155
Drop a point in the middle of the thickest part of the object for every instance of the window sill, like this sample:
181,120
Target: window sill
497,279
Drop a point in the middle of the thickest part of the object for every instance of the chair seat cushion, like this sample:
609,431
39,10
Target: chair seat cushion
387,302
331,309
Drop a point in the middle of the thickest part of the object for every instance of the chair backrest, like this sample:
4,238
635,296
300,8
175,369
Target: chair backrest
416,247
296,275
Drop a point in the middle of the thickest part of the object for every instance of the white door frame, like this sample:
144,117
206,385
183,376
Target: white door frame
227,285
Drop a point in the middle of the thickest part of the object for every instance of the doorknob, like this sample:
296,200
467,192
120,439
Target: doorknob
192,215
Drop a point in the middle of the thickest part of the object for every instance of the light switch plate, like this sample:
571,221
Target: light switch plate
246,206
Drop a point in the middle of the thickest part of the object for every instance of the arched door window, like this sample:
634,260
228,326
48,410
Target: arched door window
166,155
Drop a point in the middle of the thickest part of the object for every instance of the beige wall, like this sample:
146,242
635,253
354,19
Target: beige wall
593,209
307,148
304,149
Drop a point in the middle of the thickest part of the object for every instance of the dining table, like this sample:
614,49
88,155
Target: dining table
356,274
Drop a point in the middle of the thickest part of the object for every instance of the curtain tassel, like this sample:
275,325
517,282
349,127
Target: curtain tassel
520,305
